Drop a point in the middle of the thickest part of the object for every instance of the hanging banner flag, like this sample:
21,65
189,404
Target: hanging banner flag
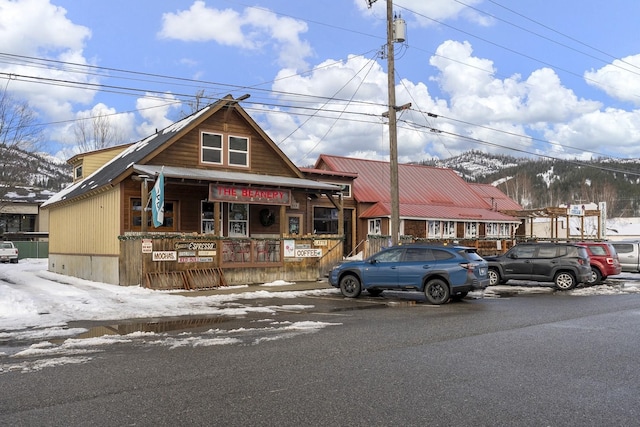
157,201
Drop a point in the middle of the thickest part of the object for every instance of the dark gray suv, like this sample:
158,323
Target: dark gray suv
564,264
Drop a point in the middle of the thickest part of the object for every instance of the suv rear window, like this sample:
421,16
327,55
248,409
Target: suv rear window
471,255
597,250
440,255
418,254
547,252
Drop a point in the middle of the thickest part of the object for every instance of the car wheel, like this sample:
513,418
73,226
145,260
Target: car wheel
350,286
494,277
437,291
374,292
596,277
565,281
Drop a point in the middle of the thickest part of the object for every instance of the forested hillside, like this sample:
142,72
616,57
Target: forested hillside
542,183
23,174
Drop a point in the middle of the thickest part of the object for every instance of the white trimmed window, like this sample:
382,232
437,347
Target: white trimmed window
470,230
448,229
238,220
346,191
238,151
433,232
77,172
441,229
375,227
211,151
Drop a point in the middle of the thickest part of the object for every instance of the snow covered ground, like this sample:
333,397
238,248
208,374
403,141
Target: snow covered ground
36,307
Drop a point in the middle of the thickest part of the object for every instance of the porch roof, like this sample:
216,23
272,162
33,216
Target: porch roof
236,178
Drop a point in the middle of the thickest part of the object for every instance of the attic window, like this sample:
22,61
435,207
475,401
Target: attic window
238,151
211,148
77,172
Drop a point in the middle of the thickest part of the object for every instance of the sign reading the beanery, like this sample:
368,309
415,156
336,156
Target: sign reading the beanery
242,194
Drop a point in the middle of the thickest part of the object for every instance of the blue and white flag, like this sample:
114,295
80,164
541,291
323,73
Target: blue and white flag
157,201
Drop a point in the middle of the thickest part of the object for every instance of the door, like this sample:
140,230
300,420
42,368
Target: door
628,255
417,262
382,270
547,261
518,262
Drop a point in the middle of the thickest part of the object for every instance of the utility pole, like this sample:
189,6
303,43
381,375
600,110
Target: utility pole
393,130
391,114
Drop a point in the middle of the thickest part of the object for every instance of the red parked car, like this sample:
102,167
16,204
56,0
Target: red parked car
604,261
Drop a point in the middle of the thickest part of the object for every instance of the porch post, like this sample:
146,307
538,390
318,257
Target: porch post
340,215
216,219
283,221
144,201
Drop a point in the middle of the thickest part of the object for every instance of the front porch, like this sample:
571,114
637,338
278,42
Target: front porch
197,261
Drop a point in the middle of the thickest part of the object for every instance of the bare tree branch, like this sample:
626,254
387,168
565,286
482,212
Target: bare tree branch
96,132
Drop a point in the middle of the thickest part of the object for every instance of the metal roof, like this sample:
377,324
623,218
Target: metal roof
111,172
492,194
424,191
417,184
235,177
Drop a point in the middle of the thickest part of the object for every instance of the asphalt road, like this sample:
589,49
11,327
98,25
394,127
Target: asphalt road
526,360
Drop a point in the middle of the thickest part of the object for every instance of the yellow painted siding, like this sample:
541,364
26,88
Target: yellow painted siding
94,161
88,227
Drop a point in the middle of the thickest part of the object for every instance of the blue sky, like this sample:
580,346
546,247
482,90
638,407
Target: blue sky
559,79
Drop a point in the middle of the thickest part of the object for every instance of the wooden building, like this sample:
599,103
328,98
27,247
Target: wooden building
236,209
435,204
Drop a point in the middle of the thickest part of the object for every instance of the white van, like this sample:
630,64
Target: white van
629,254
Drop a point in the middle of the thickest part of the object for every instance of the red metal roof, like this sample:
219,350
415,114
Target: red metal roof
424,191
492,194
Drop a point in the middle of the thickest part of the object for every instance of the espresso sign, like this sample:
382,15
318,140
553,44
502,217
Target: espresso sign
240,194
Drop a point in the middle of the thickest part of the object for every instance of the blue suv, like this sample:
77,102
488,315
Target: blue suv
440,271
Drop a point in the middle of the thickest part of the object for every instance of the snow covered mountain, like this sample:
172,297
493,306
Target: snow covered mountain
31,177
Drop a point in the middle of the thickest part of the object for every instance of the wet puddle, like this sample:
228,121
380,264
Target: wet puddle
155,326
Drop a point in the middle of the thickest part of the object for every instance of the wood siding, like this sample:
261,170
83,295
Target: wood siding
415,228
262,158
89,226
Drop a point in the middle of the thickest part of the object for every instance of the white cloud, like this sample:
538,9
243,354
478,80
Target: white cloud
549,101
252,30
155,109
318,125
598,130
33,27
40,29
620,79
